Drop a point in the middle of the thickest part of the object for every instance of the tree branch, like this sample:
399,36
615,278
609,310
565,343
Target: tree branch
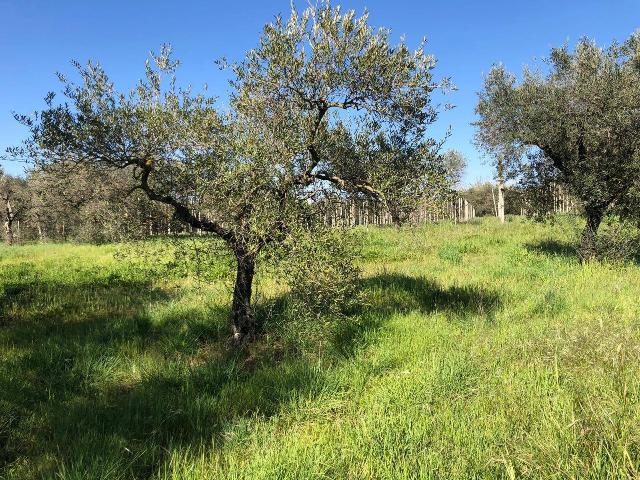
346,185
181,211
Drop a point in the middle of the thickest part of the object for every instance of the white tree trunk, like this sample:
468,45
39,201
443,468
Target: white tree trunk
8,223
493,196
501,200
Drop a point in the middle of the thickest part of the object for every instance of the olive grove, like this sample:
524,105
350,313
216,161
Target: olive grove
324,104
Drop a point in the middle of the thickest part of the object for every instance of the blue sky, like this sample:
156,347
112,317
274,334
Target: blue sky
39,38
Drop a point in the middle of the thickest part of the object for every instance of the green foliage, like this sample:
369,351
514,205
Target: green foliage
321,274
575,123
408,170
619,241
201,258
323,285
538,181
455,164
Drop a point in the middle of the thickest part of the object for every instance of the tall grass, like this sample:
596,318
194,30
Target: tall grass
481,351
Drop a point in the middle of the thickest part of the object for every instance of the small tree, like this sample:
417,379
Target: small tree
492,137
298,105
455,164
406,170
15,204
583,116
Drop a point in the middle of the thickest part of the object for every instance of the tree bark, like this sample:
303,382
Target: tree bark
243,321
501,199
8,228
396,218
588,240
493,197
8,223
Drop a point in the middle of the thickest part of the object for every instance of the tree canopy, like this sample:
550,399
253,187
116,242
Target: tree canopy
309,109
578,121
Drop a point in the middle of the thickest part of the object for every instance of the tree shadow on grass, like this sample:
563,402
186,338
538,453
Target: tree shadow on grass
553,248
92,382
393,293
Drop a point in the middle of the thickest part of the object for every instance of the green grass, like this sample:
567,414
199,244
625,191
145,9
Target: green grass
483,351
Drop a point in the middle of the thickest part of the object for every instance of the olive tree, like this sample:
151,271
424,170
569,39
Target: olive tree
492,136
582,117
247,176
406,169
454,164
506,162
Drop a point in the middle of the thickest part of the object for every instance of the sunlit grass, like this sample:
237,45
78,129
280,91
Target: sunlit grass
482,351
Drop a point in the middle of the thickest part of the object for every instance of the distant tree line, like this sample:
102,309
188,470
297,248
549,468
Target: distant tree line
520,199
79,205
69,202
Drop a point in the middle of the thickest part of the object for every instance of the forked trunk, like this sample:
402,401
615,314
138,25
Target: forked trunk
588,242
243,321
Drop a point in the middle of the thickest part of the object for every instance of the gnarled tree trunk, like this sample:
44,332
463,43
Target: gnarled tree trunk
243,321
588,240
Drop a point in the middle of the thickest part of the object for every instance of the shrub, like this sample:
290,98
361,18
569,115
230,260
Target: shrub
323,280
619,240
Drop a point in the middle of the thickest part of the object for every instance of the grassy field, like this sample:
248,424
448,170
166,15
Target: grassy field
482,351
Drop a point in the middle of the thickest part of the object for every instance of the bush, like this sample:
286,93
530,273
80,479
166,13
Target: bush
319,269
619,240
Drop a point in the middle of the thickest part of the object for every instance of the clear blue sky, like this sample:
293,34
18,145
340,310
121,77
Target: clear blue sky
39,38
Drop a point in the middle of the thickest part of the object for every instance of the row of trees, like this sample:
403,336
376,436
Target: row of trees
81,205
97,206
76,202
89,206
518,198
